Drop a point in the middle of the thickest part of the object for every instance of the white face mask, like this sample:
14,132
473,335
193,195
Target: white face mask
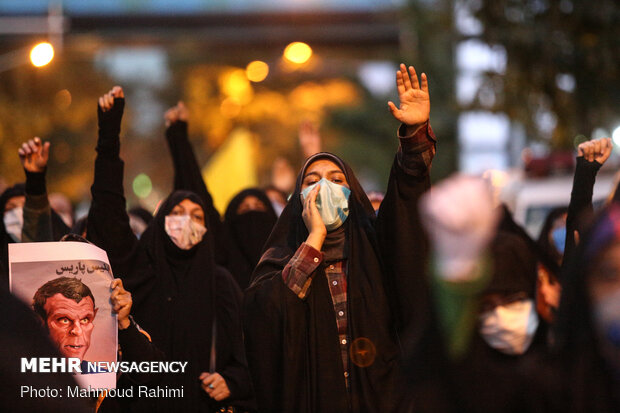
183,231
510,328
332,202
14,222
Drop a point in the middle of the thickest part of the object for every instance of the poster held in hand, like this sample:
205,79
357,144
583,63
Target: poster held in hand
67,284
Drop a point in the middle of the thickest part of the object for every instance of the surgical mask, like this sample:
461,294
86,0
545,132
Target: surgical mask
183,231
14,222
510,328
332,203
559,239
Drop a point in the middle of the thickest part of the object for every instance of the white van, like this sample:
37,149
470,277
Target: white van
530,200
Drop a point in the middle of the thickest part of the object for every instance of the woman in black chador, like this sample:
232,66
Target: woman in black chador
180,296
248,221
329,297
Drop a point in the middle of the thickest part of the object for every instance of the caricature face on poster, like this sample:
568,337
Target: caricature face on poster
67,284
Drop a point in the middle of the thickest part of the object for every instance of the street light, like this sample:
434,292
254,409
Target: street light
42,54
52,26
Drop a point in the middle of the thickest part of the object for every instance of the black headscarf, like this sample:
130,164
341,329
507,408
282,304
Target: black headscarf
5,238
292,344
508,224
59,228
514,266
13,191
515,255
141,213
185,280
246,235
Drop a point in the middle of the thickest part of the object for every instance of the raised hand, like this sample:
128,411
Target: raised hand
106,102
415,104
121,303
461,219
282,175
178,113
598,150
309,139
34,155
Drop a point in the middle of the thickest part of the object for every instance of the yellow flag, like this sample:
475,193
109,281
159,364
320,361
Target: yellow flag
231,169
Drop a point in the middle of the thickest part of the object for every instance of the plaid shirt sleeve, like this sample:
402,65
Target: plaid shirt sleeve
297,273
416,152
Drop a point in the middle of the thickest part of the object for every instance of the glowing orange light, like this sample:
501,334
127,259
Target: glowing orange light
257,71
235,84
42,54
297,52
230,108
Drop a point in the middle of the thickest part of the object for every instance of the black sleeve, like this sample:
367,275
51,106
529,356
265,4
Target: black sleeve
136,346
37,212
580,205
187,174
108,222
405,250
400,234
41,223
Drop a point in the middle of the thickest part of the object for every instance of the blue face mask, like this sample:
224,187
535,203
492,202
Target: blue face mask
559,239
332,203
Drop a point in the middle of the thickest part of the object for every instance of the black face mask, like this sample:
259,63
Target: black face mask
250,232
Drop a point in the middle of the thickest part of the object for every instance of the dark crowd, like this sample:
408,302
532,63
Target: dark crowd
329,299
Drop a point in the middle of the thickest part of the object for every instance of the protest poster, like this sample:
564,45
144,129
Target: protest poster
83,324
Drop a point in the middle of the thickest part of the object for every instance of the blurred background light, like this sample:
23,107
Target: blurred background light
599,133
62,99
378,77
257,71
230,108
235,84
297,52
142,185
615,135
42,54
